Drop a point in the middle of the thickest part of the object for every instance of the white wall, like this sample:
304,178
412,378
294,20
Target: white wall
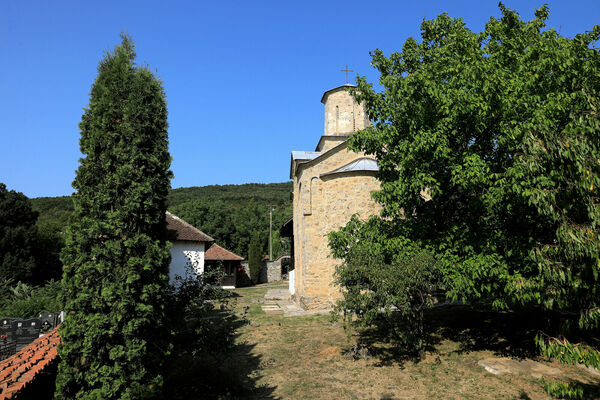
183,254
291,281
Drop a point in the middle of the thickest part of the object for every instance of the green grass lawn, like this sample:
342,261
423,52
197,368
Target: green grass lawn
303,357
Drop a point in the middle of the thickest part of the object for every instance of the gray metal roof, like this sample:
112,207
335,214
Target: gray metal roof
304,155
301,157
361,164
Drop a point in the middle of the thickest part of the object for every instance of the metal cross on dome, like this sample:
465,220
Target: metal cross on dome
346,70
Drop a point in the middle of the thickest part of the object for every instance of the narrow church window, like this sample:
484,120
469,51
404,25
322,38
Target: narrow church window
305,199
314,182
337,117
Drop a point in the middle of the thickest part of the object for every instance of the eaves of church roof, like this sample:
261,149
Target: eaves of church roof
295,167
300,157
347,85
304,155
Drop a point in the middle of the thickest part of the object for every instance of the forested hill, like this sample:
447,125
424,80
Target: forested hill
276,193
231,214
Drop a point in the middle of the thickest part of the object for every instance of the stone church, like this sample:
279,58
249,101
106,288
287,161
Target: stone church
330,185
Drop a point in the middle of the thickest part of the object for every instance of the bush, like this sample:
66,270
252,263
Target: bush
203,332
384,278
25,301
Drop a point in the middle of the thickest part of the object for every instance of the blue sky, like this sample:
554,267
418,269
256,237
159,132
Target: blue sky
243,78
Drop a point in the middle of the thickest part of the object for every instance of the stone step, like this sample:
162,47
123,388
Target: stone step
272,310
277,294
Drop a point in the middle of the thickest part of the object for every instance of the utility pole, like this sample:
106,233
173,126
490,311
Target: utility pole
271,207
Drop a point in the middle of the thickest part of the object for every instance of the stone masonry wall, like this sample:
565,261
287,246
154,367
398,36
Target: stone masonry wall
322,205
342,114
271,270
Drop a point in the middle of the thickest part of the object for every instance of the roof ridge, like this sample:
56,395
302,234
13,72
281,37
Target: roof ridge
188,225
216,246
319,157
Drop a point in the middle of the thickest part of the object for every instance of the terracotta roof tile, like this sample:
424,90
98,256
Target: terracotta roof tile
181,230
21,368
218,253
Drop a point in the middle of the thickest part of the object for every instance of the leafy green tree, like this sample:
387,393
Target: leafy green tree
488,150
116,254
475,120
383,275
49,244
18,236
255,257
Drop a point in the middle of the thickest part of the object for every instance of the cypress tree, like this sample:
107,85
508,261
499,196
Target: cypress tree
255,258
116,255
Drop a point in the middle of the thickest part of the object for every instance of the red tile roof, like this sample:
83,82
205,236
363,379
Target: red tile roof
21,368
218,253
181,230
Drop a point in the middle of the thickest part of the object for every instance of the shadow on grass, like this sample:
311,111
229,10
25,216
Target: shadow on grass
217,369
387,349
509,334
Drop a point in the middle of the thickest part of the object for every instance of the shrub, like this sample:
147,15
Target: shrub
203,332
25,301
384,278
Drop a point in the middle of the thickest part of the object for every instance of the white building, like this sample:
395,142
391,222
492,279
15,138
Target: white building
188,247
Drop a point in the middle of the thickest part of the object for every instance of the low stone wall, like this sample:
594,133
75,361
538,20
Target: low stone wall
270,271
314,303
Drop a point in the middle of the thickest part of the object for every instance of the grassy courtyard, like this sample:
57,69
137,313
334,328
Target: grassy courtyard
303,357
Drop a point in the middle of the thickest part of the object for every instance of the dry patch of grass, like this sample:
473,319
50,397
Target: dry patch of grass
303,358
